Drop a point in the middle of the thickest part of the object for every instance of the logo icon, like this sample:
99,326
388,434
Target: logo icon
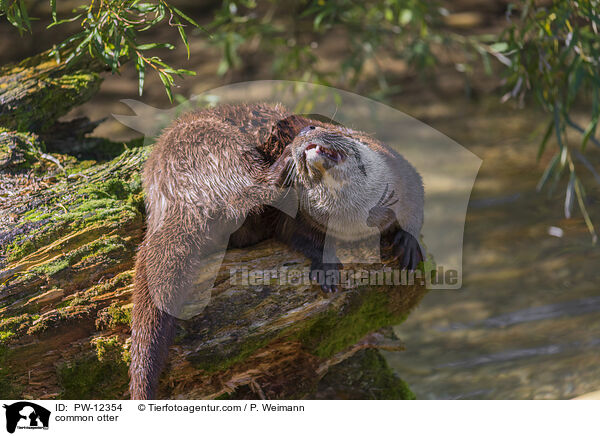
26,415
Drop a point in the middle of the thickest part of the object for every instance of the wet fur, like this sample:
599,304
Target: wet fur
207,181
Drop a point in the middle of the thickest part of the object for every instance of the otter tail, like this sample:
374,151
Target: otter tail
152,333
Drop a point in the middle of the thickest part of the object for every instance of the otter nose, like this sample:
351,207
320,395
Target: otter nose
307,129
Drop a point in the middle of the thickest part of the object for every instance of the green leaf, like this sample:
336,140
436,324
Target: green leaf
145,7
545,140
569,196
185,17
406,17
141,68
586,216
167,82
499,46
24,14
184,39
155,45
548,172
185,72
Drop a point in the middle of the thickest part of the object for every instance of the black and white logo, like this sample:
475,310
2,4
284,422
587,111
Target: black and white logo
27,416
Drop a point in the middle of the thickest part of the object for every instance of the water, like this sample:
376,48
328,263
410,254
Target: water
526,323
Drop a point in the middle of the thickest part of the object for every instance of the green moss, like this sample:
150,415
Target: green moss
333,331
119,315
111,349
120,280
12,326
15,322
211,361
102,375
47,322
19,149
102,205
116,188
107,213
364,376
81,299
43,94
4,335
323,336
80,166
35,215
102,246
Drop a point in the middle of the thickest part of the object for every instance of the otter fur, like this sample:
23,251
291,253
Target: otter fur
209,182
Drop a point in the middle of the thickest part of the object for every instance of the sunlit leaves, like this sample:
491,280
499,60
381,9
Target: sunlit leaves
16,14
554,50
109,33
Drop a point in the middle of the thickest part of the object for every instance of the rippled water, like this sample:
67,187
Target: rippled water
526,323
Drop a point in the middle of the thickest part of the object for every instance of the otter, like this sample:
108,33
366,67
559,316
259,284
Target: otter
210,182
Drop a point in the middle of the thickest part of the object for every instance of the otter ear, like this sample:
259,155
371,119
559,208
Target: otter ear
292,125
322,118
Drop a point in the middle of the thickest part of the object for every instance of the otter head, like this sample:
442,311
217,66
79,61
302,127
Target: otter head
328,156
338,174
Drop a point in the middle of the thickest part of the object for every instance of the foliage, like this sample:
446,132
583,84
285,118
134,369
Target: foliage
548,49
110,34
555,55
403,27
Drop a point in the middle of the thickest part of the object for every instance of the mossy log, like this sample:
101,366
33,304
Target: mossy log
37,91
68,247
69,230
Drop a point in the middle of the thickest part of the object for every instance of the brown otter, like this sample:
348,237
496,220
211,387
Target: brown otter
213,170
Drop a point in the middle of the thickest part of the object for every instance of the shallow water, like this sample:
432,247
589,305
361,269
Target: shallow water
526,322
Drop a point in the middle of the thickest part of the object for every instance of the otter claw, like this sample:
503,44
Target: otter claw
326,275
330,289
406,248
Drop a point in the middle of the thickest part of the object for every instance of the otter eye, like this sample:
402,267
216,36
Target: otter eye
307,129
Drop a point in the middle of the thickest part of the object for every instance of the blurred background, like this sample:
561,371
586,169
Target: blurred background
516,83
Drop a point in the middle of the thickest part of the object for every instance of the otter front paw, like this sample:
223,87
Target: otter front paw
407,250
327,275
